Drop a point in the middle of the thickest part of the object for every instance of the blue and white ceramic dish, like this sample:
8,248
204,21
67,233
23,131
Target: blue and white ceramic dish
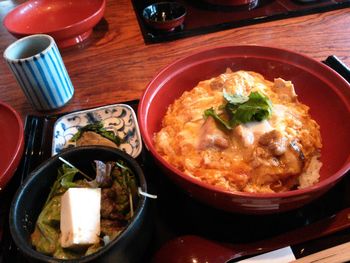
119,118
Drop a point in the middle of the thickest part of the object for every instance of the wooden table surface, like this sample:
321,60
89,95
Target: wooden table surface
115,64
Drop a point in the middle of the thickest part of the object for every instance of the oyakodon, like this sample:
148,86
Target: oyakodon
241,132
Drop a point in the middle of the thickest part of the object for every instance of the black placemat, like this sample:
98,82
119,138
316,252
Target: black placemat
203,17
175,213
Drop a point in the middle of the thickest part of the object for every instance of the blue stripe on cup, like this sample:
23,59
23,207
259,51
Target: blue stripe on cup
58,76
21,78
45,83
43,93
33,88
64,72
61,72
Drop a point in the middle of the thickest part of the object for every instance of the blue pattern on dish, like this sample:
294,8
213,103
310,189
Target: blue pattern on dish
119,118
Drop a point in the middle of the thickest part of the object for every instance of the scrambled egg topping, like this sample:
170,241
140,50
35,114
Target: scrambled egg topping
276,154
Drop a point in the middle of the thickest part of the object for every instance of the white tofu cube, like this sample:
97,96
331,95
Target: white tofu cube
80,217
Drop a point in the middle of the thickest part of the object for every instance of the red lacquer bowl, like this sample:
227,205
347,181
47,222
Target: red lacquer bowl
11,142
318,86
68,22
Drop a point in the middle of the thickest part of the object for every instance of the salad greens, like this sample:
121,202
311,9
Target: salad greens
242,109
118,192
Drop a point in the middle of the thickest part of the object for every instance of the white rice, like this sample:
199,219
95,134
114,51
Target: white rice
312,173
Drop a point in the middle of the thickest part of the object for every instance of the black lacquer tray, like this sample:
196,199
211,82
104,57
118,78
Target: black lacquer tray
175,213
203,17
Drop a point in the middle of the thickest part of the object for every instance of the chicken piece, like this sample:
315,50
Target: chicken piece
272,170
275,142
218,83
292,162
245,135
211,136
285,90
250,132
92,138
262,157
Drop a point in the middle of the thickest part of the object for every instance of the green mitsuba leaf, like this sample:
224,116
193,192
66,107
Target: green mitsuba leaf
242,109
211,112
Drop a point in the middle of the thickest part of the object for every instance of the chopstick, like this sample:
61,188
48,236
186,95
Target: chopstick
337,254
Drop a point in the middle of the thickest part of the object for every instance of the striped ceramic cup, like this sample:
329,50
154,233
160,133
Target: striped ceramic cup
38,67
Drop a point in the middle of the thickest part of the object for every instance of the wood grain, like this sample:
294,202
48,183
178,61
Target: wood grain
115,64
